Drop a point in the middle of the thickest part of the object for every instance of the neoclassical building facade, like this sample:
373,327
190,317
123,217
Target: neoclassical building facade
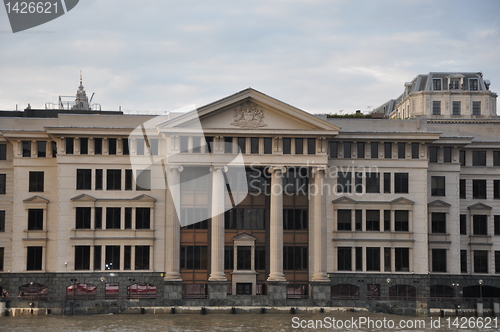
251,201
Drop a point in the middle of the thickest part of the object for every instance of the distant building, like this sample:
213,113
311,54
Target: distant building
406,208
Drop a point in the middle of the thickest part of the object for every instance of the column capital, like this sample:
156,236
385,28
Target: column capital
319,168
214,168
175,168
278,169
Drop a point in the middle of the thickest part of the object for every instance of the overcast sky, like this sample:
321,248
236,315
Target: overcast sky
319,56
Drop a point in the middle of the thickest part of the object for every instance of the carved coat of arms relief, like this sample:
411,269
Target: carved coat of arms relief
248,115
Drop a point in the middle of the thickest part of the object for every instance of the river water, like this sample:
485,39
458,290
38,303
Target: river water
235,323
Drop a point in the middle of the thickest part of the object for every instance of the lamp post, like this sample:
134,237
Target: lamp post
481,289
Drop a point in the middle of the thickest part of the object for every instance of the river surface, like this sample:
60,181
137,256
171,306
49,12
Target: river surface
235,323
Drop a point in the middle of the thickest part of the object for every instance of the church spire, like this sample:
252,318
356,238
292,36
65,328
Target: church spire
81,101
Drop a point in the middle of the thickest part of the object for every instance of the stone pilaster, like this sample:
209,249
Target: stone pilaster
276,229
319,227
173,229
217,244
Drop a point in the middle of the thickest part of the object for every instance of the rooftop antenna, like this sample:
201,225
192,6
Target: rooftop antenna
93,93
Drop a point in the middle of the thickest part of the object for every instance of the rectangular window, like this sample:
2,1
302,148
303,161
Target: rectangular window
372,259
401,220
34,259
244,288
2,221
402,259
401,150
463,189
254,145
140,145
299,146
111,146
112,259
143,180
344,182
401,183
153,147
293,219
84,145
433,154
373,182
344,220
311,146
41,148
128,218
228,258
126,146
98,218
344,259
387,150
287,145
83,179
228,145
480,224
438,221
114,179
496,158
82,257
98,179
358,182
142,218
36,182
358,221
209,140
97,257
463,224
128,179
480,261
70,142
142,257
476,108
244,258
438,260
26,148
447,154
359,258
374,150
436,84
242,144
415,150
387,260
260,258
496,224
372,220
478,158
436,107
127,257
387,183
194,257
438,187
387,220
3,151
497,261
361,150
268,145
3,184
35,219
473,85
462,158
347,149
113,218
479,189
97,145
2,253
82,217
457,108
463,261
334,149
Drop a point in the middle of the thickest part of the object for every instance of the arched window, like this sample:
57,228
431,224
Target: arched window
402,292
441,291
345,291
81,292
481,291
33,291
141,291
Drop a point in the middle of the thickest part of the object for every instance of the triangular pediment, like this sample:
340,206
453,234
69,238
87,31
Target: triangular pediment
344,200
479,206
438,203
244,237
36,200
250,111
84,198
144,198
402,201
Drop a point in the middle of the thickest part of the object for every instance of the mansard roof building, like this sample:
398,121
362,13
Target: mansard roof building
251,201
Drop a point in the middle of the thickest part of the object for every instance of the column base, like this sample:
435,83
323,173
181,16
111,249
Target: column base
276,277
320,277
217,293
172,277
276,292
172,292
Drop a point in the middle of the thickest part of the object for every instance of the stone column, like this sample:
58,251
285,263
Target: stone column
173,225
276,229
217,250
319,227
